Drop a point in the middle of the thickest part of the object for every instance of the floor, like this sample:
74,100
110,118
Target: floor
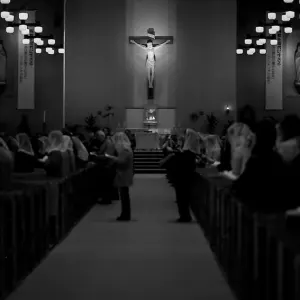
149,258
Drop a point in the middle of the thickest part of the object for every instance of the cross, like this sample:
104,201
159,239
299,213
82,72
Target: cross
157,42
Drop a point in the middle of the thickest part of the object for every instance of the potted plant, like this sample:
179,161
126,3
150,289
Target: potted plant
212,123
90,122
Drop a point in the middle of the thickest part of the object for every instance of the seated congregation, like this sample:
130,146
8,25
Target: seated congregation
261,160
61,173
62,153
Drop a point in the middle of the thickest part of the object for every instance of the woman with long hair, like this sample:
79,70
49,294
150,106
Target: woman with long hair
43,146
12,144
67,149
53,162
25,160
124,172
80,152
242,141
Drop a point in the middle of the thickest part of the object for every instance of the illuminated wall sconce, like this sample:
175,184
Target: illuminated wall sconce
51,41
272,31
10,29
263,41
271,16
259,29
38,29
23,16
273,42
227,109
290,14
248,41
288,29
37,40
26,41
10,18
4,14
275,28
262,51
22,27
285,18
25,32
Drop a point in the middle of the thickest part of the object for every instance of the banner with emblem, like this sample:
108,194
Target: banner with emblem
26,68
274,74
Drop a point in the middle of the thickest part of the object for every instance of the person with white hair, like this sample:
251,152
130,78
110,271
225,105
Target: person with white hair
124,172
53,162
67,149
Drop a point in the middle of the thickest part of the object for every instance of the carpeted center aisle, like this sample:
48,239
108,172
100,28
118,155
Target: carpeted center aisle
149,258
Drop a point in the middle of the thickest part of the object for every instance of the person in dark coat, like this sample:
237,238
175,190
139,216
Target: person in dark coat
25,160
6,166
288,147
186,163
260,185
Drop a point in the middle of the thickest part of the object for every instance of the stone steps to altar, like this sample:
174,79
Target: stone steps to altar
148,161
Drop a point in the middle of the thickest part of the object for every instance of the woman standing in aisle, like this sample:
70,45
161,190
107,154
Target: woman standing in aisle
124,174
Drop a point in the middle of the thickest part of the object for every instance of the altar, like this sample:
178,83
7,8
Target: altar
150,124
147,140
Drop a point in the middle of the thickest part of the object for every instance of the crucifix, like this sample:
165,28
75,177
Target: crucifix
150,44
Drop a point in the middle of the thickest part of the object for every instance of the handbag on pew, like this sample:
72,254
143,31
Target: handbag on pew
163,163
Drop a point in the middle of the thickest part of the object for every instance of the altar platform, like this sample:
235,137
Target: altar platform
148,139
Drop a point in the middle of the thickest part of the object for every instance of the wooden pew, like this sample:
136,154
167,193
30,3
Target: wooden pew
259,254
37,215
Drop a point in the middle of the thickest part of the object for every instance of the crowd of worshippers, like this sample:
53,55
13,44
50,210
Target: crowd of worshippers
261,161
61,153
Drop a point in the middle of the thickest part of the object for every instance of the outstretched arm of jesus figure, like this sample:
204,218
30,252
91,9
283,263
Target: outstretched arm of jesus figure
163,44
141,46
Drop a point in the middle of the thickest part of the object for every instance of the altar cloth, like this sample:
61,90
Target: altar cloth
147,140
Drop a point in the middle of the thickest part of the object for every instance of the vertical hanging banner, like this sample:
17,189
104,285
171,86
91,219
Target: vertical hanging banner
26,68
3,59
274,75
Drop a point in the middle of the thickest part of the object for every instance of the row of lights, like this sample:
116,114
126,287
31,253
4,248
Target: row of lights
273,30
23,28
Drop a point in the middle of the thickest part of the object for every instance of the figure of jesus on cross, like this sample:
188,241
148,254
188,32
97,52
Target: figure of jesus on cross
152,44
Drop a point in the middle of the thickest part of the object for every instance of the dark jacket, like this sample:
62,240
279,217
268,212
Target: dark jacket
291,178
261,185
6,169
54,164
184,167
24,162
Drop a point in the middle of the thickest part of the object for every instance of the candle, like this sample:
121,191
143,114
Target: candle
44,119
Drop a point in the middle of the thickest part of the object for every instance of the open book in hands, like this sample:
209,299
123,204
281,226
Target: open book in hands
43,159
230,175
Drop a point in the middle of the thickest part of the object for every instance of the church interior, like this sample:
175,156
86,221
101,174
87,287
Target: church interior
149,149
